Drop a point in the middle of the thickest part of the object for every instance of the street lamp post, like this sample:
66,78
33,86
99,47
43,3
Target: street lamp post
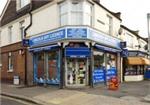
148,26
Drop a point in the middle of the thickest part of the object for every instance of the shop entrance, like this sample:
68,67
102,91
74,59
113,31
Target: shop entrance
76,71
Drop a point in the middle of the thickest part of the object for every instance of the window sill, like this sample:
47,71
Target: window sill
9,71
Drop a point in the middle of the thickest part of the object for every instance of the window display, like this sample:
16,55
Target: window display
98,60
134,70
76,71
40,66
110,61
52,67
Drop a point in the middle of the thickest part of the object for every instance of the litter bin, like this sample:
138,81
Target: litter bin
16,80
113,84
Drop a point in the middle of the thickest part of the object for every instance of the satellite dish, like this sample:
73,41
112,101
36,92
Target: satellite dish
120,31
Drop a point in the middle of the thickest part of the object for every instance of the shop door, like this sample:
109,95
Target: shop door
76,72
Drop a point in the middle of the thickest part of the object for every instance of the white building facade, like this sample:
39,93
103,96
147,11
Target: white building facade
71,42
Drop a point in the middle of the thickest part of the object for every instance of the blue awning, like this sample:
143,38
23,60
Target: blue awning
80,52
45,48
104,48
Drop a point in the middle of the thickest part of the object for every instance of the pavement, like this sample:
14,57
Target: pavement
134,93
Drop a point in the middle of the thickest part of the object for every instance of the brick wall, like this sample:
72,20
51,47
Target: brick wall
18,63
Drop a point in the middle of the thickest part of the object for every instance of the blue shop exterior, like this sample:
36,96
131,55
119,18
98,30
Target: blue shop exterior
75,57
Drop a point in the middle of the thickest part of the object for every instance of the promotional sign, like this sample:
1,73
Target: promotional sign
77,33
98,76
111,73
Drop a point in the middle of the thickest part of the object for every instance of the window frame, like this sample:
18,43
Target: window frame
79,13
10,34
21,28
110,24
10,62
129,40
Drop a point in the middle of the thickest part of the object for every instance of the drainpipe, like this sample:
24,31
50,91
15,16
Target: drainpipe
148,26
25,34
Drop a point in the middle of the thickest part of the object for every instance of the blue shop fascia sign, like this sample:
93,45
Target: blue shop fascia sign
75,33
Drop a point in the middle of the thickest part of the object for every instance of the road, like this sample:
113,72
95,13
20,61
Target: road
11,101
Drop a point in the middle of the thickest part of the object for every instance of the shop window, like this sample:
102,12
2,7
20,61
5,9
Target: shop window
10,62
52,67
40,66
99,62
110,61
135,70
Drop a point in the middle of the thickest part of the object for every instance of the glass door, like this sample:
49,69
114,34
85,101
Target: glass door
76,72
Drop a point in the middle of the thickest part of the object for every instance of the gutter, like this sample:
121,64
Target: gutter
25,49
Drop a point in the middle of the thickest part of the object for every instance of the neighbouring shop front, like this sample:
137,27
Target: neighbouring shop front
136,66
75,57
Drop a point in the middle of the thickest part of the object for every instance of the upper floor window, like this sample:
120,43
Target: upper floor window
75,13
10,62
22,27
10,34
64,14
22,3
129,39
110,24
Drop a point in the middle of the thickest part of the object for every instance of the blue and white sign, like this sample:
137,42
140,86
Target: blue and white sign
80,52
77,33
125,53
104,39
49,37
111,73
98,76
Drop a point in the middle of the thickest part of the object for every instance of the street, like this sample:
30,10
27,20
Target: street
11,101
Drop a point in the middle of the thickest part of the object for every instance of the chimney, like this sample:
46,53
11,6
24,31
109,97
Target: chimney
98,1
137,32
118,14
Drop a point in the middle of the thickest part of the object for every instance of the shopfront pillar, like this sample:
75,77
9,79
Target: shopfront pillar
62,69
119,66
91,67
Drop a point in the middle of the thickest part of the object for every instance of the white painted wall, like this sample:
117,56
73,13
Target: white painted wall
124,37
101,15
44,19
142,43
16,35
47,18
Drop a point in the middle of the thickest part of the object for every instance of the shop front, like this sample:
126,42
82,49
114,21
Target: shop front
46,66
77,64
105,64
75,57
136,67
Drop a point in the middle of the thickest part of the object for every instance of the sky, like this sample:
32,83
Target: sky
133,12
